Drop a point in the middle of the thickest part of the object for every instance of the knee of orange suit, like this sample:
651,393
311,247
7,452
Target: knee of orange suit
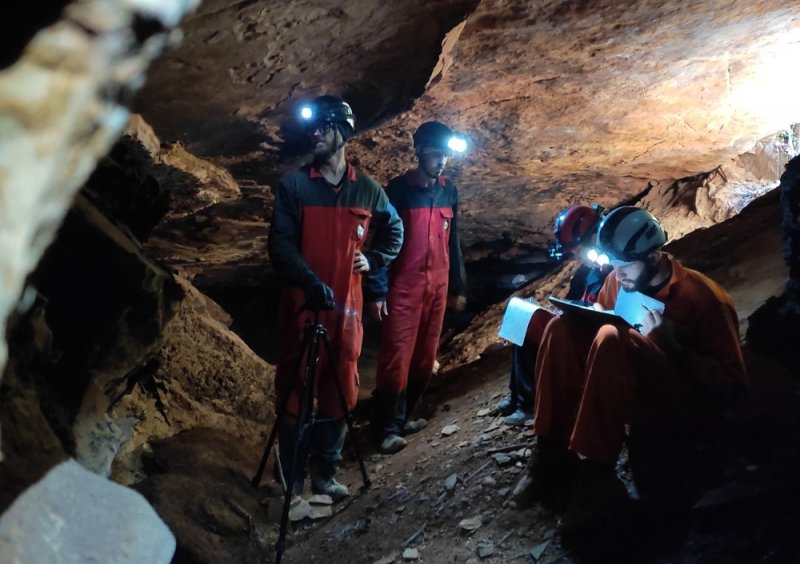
607,335
557,328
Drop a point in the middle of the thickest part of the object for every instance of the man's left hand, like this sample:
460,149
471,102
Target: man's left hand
655,322
456,303
378,309
360,263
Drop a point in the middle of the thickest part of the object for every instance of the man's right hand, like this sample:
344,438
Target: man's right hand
319,297
378,309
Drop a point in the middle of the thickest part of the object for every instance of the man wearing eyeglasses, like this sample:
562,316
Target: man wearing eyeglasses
321,217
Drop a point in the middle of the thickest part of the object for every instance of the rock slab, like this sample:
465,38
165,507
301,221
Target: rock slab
74,516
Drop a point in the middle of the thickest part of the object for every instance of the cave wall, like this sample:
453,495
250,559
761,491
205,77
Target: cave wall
564,101
63,94
119,360
62,105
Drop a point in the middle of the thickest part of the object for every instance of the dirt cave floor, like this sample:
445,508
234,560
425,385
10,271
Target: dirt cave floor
728,494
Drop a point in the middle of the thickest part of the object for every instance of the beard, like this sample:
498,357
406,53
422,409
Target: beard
322,150
323,154
641,282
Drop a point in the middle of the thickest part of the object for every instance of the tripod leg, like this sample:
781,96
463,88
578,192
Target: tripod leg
348,416
256,481
302,430
305,422
279,416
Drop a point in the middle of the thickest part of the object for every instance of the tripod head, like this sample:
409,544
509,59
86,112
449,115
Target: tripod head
314,330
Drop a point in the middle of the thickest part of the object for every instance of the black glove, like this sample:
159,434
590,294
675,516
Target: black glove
319,297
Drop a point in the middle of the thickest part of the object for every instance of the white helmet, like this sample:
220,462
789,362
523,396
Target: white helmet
629,234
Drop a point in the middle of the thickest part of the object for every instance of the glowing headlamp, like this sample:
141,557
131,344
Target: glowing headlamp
306,112
457,144
600,259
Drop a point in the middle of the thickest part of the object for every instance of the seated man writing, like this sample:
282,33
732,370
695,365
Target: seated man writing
593,381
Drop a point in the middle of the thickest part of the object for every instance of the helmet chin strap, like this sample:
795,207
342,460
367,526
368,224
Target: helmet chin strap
338,143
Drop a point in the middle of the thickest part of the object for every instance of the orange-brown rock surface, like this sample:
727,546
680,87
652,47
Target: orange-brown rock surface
563,100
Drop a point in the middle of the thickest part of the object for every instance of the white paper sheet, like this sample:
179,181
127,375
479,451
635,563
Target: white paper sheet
633,306
516,319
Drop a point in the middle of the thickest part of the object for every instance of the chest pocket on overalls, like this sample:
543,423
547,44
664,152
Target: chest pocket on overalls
446,218
359,225
445,225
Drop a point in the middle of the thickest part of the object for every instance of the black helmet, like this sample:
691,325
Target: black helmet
436,135
629,234
326,110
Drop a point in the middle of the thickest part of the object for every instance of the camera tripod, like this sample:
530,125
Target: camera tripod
314,334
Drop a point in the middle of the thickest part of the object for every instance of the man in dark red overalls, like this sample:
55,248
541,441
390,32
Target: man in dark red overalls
321,217
574,229
427,277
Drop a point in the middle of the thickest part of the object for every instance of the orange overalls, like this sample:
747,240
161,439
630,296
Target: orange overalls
592,382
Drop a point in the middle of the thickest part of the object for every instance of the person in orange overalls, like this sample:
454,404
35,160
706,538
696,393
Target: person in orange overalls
593,381
321,218
427,277
574,230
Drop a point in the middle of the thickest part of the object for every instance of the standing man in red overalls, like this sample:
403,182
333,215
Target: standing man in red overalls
427,277
321,218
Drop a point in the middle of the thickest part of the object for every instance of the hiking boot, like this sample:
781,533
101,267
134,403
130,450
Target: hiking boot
550,473
392,444
331,487
505,406
518,418
414,426
597,495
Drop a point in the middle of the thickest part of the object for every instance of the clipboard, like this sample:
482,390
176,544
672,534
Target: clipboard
628,309
588,312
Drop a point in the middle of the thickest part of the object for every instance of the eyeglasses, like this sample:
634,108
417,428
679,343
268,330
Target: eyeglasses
324,128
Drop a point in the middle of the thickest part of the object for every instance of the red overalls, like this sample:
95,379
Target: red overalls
428,268
315,234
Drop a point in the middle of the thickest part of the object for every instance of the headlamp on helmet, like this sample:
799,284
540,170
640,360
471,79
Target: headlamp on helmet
326,111
436,136
457,144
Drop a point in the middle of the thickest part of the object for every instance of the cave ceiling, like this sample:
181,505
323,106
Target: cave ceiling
563,100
